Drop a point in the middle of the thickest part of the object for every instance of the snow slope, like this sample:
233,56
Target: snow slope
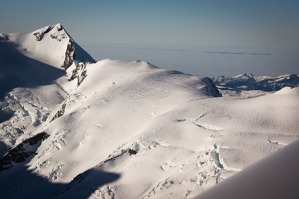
133,130
159,130
32,79
273,177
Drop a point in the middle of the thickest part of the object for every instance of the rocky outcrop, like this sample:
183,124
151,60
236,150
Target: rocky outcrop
79,73
22,152
40,34
59,113
3,37
210,88
58,38
69,55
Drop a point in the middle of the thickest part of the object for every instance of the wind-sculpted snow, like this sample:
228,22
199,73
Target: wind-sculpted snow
120,129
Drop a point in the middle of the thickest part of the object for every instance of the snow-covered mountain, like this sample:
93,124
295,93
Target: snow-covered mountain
28,60
116,129
51,45
248,84
32,67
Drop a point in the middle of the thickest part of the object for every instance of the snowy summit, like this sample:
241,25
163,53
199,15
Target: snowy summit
72,127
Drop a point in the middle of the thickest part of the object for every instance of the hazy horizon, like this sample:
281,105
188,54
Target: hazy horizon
199,37
230,23
204,60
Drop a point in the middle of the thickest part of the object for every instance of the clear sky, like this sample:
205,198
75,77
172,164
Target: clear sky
231,23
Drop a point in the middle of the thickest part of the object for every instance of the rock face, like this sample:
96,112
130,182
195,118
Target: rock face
3,37
211,88
59,113
69,55
79,73
22,152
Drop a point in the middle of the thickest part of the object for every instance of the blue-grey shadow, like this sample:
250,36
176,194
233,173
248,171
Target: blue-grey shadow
18,181
17,70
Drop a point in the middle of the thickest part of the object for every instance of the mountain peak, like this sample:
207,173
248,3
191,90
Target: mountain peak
59,26
51,45
55,31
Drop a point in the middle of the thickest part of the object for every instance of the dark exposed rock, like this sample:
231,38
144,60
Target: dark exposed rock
210,88
59,113
22,152
79,73
39,35
3,37
132,152
82,77
69,55
59,27
53,36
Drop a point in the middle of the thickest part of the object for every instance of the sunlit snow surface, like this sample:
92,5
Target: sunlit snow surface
134,130
275,176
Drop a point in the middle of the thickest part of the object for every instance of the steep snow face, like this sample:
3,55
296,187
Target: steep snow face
273,177
51,45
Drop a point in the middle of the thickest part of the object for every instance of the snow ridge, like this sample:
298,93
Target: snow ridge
51,45
117,129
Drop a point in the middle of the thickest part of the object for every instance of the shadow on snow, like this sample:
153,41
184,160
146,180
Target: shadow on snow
18,181
17,70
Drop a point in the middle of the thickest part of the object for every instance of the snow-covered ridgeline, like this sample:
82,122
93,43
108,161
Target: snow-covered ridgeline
119,129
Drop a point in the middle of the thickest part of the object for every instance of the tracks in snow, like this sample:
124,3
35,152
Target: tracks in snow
205,125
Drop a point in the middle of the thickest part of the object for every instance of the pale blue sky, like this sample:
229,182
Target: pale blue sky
230,23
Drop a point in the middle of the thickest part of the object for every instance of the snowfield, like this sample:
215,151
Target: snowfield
116,129
274,177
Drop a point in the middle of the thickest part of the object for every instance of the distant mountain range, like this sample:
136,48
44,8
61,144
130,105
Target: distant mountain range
251,82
